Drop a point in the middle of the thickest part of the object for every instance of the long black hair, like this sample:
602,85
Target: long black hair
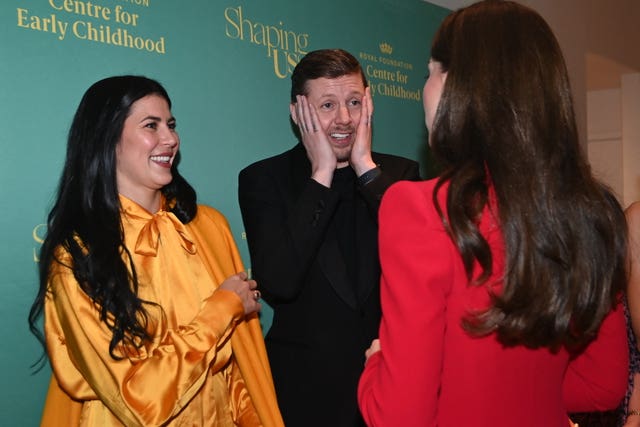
85,219
505,121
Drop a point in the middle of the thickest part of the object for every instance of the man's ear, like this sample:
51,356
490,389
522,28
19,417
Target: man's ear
292,111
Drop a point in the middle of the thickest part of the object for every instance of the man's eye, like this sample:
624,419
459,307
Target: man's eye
355,102
326,106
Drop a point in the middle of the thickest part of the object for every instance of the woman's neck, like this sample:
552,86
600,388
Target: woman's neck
149,200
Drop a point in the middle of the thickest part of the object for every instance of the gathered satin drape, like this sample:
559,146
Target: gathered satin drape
206,364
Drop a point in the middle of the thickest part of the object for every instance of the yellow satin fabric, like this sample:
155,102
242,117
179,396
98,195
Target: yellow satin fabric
206,365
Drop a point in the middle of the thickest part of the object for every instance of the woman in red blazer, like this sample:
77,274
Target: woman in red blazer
501,279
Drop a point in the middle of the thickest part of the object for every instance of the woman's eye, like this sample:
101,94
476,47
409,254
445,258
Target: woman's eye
151,125
172,125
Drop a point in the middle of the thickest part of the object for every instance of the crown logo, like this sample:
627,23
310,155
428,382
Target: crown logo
386,48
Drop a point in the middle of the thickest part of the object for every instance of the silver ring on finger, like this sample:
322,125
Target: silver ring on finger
256,295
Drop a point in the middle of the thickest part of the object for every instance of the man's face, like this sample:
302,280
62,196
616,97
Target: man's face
338,103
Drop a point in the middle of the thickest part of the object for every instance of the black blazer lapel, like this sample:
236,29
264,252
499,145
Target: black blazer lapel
329,254
368,274
333,267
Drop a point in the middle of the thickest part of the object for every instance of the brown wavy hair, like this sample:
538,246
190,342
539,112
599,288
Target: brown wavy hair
506,120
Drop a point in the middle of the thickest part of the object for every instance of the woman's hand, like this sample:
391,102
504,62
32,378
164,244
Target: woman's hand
246,289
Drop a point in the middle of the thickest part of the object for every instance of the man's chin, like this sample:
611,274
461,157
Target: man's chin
342,155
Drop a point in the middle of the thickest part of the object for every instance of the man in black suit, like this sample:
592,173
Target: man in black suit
310,216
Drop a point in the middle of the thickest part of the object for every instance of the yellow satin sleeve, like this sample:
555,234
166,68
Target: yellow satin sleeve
151,388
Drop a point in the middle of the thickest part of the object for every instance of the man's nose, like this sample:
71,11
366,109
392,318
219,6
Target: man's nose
343,115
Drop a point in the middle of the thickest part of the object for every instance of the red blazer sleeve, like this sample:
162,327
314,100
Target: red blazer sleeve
596,379
416,258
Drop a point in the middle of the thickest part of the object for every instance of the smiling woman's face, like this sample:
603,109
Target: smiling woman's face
147,148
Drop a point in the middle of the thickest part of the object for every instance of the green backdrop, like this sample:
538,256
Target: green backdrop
226,65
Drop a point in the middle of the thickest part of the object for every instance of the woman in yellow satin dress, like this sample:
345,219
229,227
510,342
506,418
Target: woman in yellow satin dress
149,318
